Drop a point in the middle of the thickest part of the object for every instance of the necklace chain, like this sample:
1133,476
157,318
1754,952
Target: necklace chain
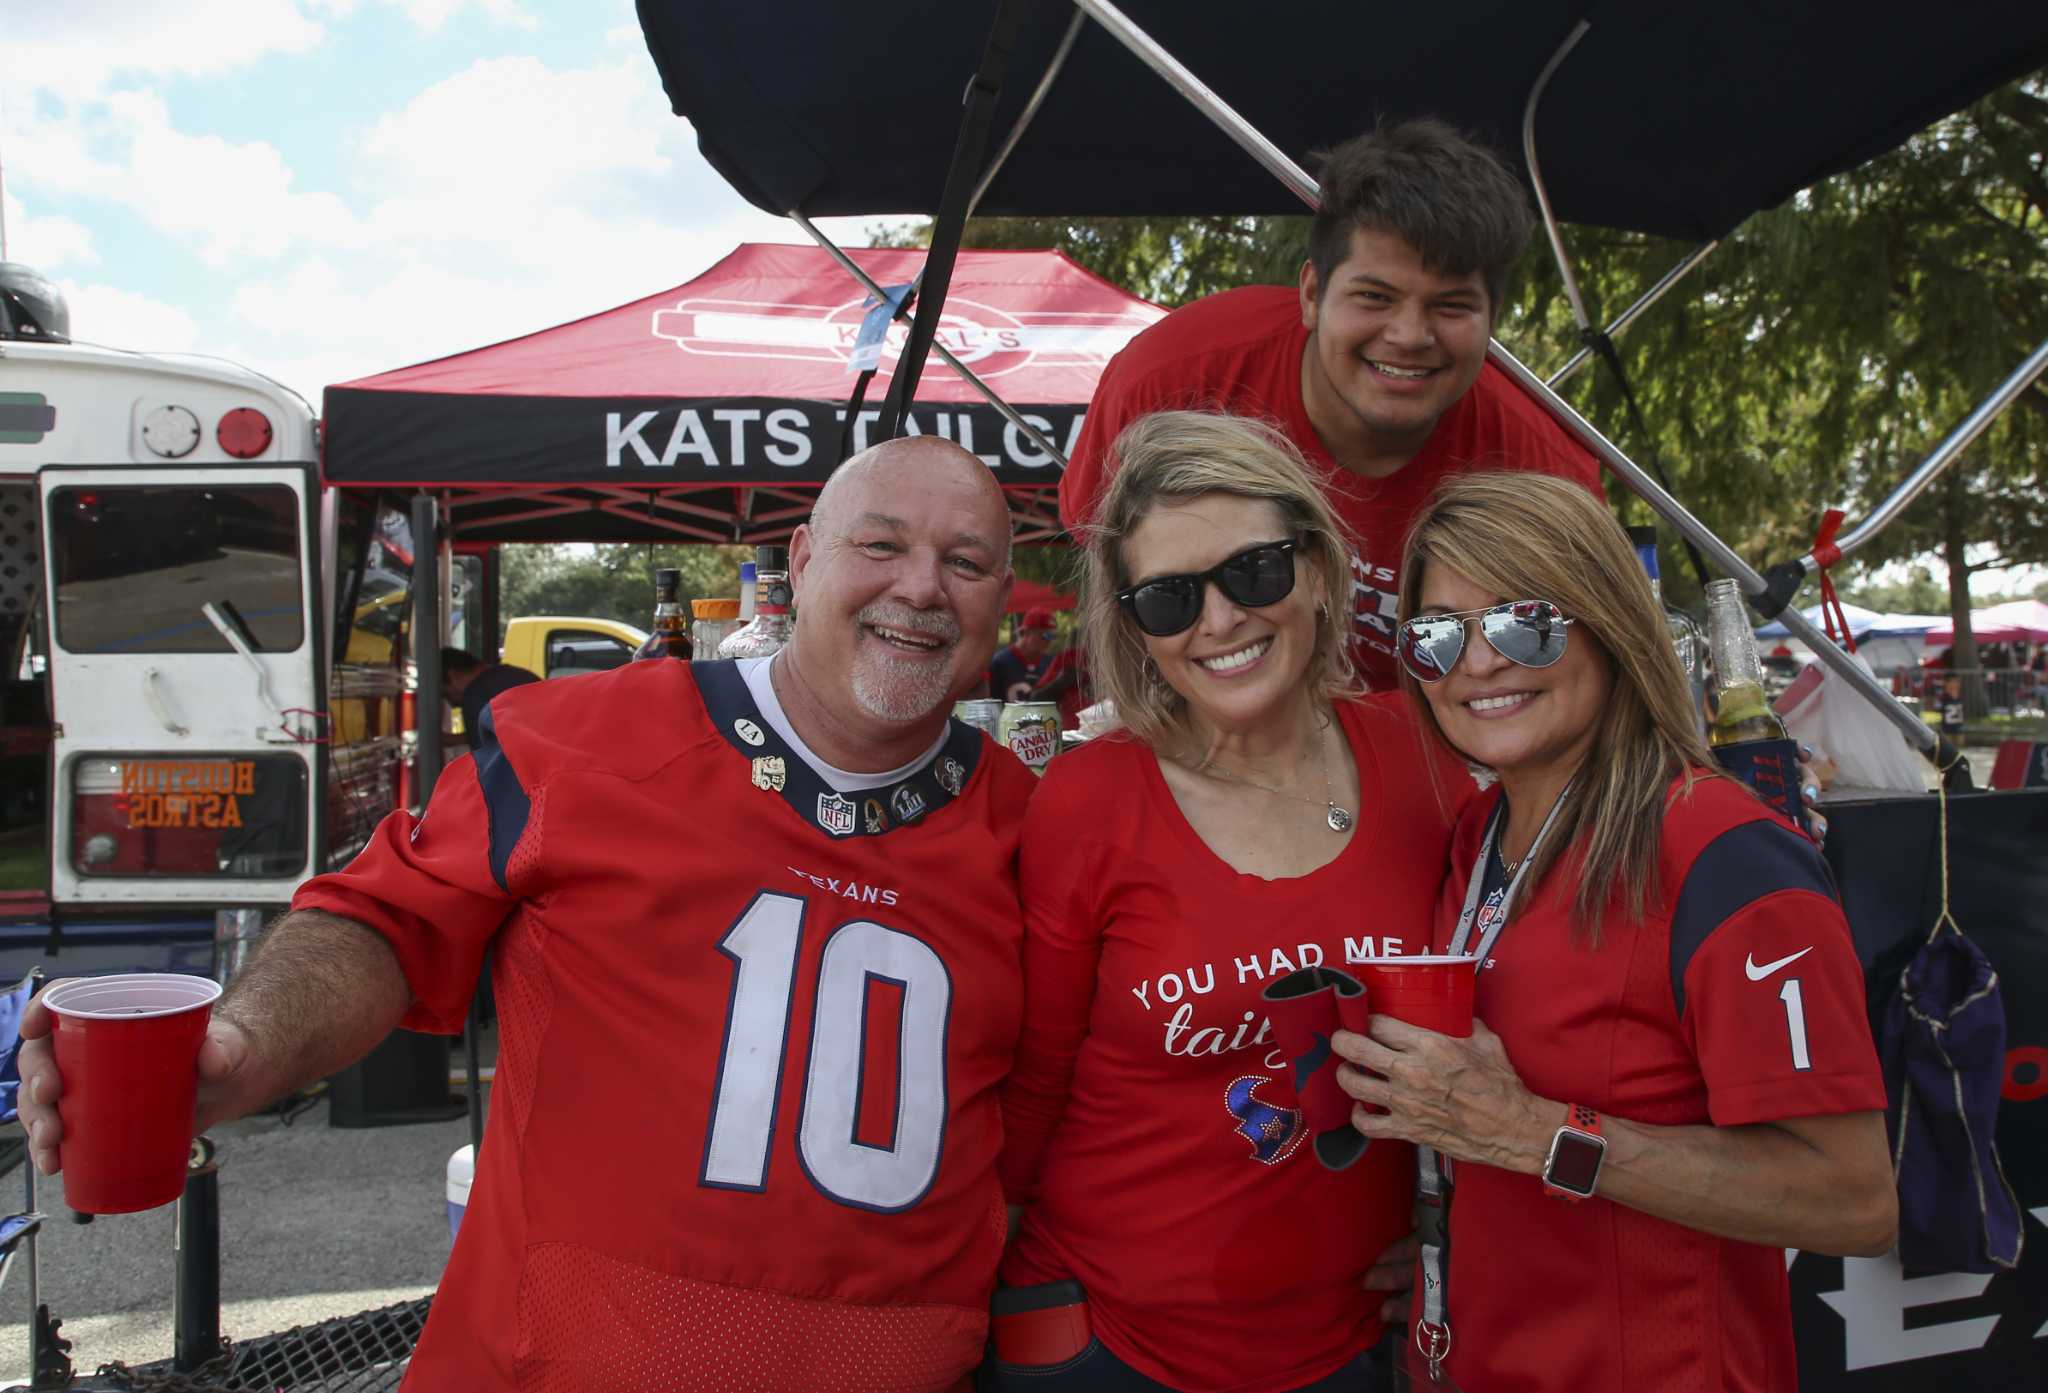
1338,819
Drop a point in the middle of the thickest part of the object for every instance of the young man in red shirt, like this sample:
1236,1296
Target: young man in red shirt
1374,366
755,938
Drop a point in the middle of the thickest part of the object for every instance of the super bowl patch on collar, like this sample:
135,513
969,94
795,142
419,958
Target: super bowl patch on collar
775,768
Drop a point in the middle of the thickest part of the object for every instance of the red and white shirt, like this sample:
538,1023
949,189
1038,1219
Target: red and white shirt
745,1125
1241,352
1739,1000
1151,1128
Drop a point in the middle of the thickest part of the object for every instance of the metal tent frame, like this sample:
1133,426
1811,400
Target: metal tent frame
1770,593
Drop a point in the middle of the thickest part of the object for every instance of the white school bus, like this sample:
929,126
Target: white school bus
200,677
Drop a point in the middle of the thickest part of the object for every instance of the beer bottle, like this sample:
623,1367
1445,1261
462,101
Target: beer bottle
1749,740
774,615
1686,640
1740,710
671,633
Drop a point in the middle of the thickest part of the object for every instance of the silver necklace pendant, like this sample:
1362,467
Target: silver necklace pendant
1339,819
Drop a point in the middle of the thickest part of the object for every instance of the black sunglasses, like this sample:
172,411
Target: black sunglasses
1255,577
1528,632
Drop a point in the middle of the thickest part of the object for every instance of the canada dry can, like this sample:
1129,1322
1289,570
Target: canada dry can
983,713
1032,731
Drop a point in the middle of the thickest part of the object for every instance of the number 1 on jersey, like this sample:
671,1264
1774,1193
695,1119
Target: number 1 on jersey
1795,1022
763,946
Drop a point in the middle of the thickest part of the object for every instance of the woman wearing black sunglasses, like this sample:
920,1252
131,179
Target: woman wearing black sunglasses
1671,1079
1255,815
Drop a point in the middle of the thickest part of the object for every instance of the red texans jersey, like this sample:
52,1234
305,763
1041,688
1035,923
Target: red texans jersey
745,1127
1738,1000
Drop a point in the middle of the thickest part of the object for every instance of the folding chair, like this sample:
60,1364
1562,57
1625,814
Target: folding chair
49,1357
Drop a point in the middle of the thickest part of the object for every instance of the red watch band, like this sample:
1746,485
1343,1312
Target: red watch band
1585,1119
1569,1173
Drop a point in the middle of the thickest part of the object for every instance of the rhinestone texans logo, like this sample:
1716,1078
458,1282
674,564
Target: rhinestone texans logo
990,340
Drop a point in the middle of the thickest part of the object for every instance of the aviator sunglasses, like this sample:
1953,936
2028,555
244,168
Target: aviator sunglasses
1528,632
1255,577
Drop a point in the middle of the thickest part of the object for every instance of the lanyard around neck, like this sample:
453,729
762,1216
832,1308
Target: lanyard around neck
1478,885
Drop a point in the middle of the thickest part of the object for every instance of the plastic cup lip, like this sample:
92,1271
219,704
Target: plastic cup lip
130,996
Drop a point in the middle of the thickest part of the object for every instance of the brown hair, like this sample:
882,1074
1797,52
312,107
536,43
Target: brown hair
1532,536
1442,193
1174,456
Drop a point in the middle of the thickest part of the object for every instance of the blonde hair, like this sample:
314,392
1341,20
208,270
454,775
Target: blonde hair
1532,536
1173,457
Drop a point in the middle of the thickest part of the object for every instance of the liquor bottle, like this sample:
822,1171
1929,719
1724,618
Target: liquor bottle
1686,640
1748,738
773,617
749,583
671,633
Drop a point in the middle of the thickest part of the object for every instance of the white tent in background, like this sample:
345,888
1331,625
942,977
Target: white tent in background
1886,641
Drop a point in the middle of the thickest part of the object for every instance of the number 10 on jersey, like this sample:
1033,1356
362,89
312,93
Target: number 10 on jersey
764,946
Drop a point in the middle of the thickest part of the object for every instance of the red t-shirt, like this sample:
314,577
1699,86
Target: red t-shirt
745,1126
1149,1123
1241,351
1740,1001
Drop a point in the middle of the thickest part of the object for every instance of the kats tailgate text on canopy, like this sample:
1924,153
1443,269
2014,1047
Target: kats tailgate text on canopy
740,377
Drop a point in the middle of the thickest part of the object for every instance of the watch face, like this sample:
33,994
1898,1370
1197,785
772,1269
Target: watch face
1575,1161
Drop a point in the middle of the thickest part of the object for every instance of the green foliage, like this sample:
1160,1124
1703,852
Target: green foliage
1918,593
609,581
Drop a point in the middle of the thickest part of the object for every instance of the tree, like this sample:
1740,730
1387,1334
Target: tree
609,581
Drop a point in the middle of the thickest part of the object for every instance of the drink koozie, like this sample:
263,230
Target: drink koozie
1771,769
1306,1008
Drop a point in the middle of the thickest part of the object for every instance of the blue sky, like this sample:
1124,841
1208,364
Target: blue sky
323,189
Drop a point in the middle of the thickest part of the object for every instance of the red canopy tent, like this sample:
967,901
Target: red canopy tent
1026,595
712,411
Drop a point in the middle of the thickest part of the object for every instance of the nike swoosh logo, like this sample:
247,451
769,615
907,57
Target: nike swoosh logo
1757,974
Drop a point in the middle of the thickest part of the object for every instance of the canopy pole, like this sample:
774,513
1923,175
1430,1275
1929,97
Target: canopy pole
1550,227
1957,440
1633,312
1008,412
1024,118
1178,77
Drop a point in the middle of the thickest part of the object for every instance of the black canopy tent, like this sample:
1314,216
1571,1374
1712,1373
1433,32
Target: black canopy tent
1676,118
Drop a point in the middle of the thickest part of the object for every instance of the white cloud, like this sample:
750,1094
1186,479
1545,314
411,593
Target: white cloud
228,200
77,48
45,242
122,319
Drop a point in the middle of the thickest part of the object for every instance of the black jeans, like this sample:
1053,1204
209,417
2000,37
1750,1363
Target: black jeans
1096,1370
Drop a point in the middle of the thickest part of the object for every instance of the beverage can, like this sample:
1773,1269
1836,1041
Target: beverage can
1032,731
983,713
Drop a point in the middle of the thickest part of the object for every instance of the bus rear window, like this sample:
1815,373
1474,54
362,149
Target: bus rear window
135,563
234,816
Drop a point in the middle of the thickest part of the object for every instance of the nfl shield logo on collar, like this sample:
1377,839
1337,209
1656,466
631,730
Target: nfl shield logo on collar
835,814
770,774
907,803
950,775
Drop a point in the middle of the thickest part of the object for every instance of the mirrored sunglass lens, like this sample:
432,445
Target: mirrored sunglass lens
1165,606
1263,576
1529,632
1432,646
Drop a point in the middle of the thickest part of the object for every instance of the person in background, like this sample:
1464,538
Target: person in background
1066,684
469,683
755,936
1255,815
1374,365
1015,670
1670,1080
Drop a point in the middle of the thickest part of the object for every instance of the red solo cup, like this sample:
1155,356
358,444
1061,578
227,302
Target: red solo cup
127,1049
1434,992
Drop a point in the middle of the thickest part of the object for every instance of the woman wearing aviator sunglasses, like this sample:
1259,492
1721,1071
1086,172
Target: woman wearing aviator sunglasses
1670,1080
1254,816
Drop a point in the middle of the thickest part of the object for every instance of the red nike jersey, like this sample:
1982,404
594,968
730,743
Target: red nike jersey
745,1125
1240,351
1152,1124
1740,1000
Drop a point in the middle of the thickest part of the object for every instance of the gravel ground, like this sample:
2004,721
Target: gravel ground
316,1221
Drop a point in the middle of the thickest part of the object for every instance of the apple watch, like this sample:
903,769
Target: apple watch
1572,1169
